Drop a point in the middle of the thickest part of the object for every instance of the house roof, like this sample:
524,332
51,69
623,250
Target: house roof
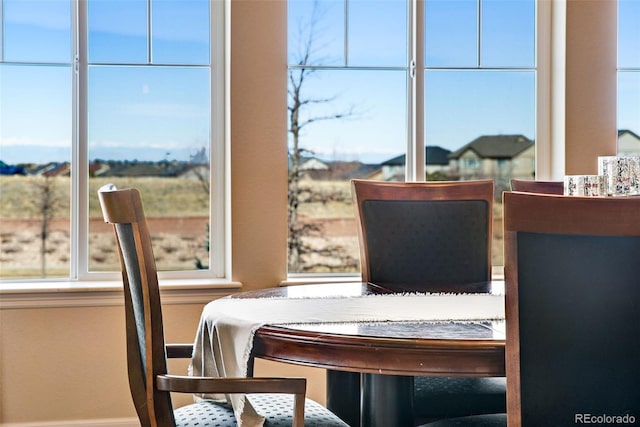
313,164
434,155
495,146
630,132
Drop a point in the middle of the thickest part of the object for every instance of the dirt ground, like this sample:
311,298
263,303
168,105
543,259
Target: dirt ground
177,242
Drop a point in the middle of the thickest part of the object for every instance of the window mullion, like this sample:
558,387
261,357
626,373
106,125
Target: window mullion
418,93
414,167
346,34
479,35
1,31
219,144
149,33
80,171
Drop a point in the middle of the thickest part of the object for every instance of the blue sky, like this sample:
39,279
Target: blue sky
461,104
143,113
162,112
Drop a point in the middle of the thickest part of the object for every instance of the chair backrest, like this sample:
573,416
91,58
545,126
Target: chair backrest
144,329
425,236
543,187
572,309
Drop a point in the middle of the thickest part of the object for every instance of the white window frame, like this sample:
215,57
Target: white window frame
219,272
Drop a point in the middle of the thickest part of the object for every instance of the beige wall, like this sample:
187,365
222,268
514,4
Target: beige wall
590,82
258,142
69,363
65,364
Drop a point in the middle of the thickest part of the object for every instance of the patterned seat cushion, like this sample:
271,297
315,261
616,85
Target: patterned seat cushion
448,397
205,414
277,409
487,420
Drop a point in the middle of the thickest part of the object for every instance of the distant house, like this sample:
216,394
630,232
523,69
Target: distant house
198,172
499,157
436,159
316,169
98,168
6,169
628,143
313,164
54,169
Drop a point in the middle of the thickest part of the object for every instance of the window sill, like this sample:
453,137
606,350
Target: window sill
497,273
319,279
107,293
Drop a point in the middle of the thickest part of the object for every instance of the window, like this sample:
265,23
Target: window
628,77
347,114
104,92
371,95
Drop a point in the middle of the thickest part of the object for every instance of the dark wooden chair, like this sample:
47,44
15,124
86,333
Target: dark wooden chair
543,187
431,237
147,353
572,308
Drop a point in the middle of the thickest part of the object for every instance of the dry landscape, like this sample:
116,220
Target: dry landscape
178,240
20,246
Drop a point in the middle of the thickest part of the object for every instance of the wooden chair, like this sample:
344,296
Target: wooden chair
431,237
573,309
149,381
531,186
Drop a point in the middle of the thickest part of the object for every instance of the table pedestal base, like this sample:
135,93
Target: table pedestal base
387,400
370,400
343,395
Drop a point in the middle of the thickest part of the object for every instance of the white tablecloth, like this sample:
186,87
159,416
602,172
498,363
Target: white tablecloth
225,335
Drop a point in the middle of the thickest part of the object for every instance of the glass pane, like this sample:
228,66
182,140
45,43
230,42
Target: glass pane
37,37
359,123
629,102
628,33
180,31
496,141
387,46
629,77
118,31
34,171
487,102
316,26
149,128
508,33
451,33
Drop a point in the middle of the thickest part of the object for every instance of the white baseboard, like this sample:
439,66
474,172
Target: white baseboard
109,422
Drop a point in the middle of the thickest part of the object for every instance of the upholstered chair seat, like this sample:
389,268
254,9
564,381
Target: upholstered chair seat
451,396
275,408
486,420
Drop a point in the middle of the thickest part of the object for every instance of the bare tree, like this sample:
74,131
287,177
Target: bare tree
202,171
46,203
300,102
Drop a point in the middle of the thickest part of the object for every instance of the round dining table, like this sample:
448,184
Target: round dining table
370,365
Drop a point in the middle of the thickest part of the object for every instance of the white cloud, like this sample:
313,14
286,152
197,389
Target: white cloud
171,110
166,145
28,141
